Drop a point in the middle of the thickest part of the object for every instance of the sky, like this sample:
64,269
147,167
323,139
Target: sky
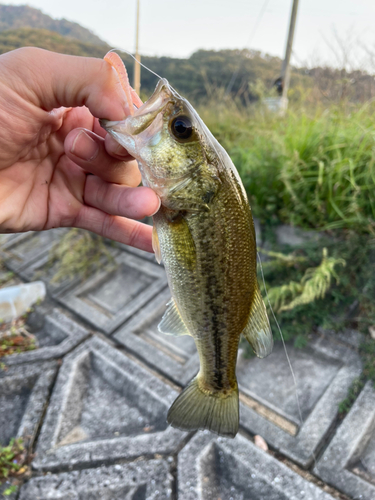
336,32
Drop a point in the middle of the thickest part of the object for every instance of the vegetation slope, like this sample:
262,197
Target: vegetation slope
24,16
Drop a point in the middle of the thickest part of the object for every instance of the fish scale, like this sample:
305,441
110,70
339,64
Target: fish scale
204,232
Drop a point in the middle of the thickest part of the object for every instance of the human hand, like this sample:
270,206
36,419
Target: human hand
50,141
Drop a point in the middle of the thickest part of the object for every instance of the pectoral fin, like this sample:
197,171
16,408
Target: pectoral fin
172,323
258,331
194,192
156,245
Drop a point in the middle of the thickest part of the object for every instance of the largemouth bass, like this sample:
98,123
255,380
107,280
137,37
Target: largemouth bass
204,232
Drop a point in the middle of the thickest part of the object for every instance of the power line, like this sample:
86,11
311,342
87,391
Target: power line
249,41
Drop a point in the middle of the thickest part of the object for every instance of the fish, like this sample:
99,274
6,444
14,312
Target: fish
204,233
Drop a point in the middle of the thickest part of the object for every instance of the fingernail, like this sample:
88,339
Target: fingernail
85,147
121,151
126,109
157,210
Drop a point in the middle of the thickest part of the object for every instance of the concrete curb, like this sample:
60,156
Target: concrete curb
348,463
24,391
104,407
140,480
110,297
211,468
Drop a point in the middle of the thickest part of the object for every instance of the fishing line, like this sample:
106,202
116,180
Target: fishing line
283,341
135,59
249,40
286,354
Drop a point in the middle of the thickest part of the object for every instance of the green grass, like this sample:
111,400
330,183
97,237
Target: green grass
326,283
313,169
353,392
12,463
367,350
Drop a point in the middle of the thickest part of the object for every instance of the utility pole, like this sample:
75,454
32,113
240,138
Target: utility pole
137,65
285,68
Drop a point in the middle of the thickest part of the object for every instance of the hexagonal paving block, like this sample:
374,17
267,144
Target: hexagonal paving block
210,468
110,297
269,407
104,407
43,269
56,335
175,357
4,238
348,463
134,481
24,248
24,391
324,372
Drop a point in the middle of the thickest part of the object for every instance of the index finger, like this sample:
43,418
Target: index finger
55,80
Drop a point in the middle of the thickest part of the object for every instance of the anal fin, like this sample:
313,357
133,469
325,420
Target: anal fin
171,322
258,330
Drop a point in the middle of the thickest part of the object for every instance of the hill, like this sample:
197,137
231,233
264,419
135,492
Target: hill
207,74
23,16
49,40
196,77
248,74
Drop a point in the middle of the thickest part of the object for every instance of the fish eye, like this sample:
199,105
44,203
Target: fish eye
182,127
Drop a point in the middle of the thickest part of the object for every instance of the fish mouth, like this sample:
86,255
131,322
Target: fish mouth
144,116
150,121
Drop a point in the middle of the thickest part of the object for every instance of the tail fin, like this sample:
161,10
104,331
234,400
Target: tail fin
195,409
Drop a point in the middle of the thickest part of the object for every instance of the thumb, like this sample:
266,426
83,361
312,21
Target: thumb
51,80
